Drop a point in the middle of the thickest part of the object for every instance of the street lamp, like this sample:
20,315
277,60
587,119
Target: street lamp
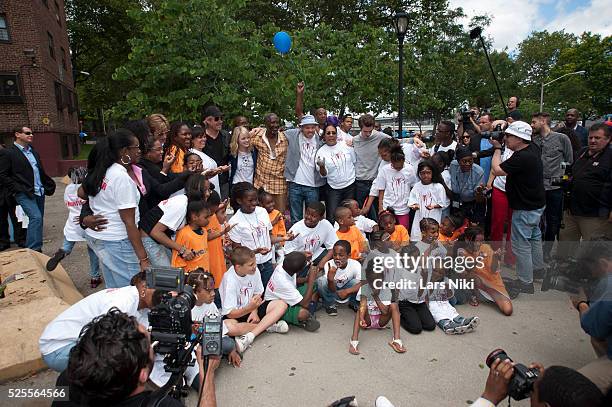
401,26
555,80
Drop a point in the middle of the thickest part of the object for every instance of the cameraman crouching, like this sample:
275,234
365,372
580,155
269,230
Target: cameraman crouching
111,363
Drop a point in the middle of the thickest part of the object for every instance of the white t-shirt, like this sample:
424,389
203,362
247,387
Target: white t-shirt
305,172
208,163
342,136
311,239
339,163
282,286
118,191
72,231
246,168
66,327
253,231
175,212
451,146
365,225
424,195
446,177
412,153
236,291
352,271
397,186
500,181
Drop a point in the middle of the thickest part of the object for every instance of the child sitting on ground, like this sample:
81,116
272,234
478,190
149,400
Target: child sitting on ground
241,298
348,231
398,234
365,225
376,309
341,279
452,227
194,237
72,231
439,295
283,286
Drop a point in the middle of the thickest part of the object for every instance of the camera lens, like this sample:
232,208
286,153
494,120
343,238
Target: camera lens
497,354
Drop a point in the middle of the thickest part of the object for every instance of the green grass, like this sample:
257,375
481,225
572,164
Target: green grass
85,149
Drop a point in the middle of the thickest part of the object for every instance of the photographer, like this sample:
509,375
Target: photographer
95,378
468,120
525,191
61,334
556,386
589,212
595,311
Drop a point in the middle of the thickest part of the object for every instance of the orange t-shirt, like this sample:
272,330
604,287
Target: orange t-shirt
400,235
178,164
458,232
216,257
355,238
279,229
198,243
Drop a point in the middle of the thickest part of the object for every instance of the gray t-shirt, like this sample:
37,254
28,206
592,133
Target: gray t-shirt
368,160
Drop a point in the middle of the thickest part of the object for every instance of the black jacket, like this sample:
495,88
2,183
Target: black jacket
17,175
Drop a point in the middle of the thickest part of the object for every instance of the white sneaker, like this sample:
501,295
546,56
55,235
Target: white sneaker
280,327
382,401
244,341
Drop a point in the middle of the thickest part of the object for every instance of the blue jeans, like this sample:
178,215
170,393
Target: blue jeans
119,260
330,298
298,196
266,270
159,255
35,209
94,262
333,199
58,359
527,243
362,191
552,218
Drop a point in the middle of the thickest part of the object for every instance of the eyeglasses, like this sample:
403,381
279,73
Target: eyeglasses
218,119
330,132
27,133
465,136
138,147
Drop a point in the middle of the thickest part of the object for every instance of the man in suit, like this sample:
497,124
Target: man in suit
571,122
23,176
7,209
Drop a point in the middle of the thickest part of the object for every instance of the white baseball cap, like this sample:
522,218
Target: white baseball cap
519,129
308,119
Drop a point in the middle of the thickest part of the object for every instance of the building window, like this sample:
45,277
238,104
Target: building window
51,45
63,51
59,100
9,89
4,32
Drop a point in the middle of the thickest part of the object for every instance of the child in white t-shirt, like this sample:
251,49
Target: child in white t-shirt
73,232
283,286
241,293
341,280
427,197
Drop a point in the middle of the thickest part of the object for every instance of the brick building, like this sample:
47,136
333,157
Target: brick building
36,83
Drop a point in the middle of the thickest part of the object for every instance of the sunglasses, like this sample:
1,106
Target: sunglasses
327,133
218,119
27,133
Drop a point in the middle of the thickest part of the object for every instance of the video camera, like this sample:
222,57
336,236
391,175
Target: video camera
523,379
496,134
566,179
466,114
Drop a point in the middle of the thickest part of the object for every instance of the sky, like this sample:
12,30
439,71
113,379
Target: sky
513,21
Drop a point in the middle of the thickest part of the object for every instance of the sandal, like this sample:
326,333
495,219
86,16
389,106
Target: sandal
397,346
474,301
353,347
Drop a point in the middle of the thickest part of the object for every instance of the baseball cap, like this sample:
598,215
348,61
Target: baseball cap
519,129
308,119
213,111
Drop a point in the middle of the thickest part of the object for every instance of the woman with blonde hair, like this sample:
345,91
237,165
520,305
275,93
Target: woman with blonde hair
243,157
159,126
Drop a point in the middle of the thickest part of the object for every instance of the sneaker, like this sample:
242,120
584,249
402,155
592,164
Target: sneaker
280,327
353,306
453,328
95,282
310,324
244,341
54,261
471,323
331,310
382,401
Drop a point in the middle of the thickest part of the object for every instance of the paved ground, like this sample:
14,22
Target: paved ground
314,369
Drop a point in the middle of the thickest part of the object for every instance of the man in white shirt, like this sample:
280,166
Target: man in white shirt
283,286
344,129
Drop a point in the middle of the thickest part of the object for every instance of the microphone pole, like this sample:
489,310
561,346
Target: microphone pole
477,33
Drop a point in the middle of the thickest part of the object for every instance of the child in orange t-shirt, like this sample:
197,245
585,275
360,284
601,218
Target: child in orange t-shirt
276,218
349,232
194,239
452,227
217,229
398,234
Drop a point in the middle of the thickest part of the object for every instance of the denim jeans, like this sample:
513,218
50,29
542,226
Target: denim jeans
362,191
330,298
58,359
159,255
35,209
552,218
298,196
334,197
119,260
94,262
266,270
527,243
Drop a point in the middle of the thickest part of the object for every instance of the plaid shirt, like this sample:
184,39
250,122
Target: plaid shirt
269,172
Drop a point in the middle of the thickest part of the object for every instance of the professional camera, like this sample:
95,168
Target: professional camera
496,134
466,114
523,379
564,181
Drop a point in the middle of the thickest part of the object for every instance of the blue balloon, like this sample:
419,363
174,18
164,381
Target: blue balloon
282,42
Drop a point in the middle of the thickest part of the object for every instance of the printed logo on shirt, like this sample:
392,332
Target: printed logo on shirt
400,185
271,286
104,184
312,242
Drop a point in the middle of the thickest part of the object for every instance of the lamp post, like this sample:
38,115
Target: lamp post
401,26
555,80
